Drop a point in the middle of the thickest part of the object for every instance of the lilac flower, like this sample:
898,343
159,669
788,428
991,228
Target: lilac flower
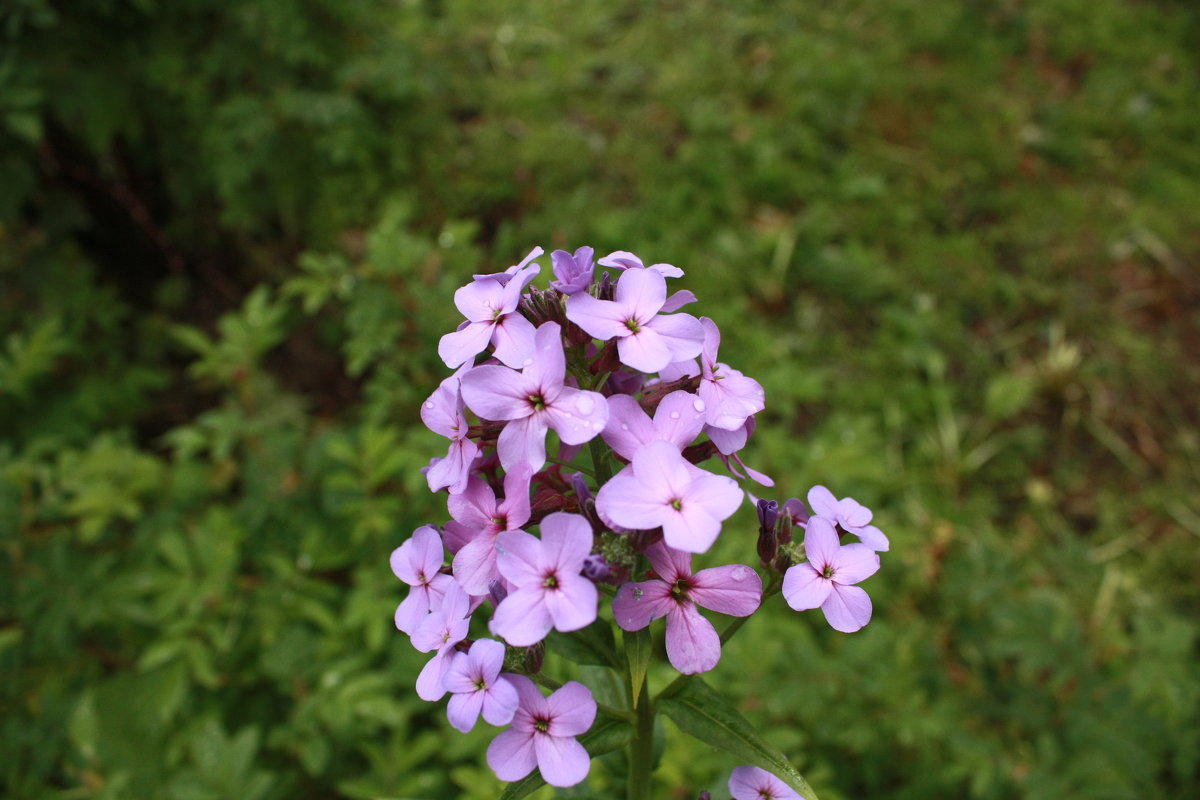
646,340
678,420
489,304
752,783
624,260
548,591
441,630
728,444
850,514
660,488
533,401
729,396
827,578
418,562
474,680
443,414
543,734
508,274
573,272
692,643
478,519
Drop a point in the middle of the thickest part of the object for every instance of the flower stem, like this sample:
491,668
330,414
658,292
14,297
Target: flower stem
641,748
600,461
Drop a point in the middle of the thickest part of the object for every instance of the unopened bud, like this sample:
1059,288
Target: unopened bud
768,514
705,795
595,568
496,593
534,656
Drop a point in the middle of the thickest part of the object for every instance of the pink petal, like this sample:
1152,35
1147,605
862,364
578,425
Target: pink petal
522,618
497,393
562,761
804,588
669,564
682,334
513,340
511,755
645,350
641,293
523,441
577,416
530,699
752,783
429,682
463,672
463,710
488,654
475,564
566,541
441,412
572,710
480,300
822,502
628,427
515,507
692,642
872,537
728,442
453,471
602,319
731,399
852,513
457,535
475,506
679,418
712,345
412,610
462,345
631,503
638,604
548,364
573,604
692,529
499,702
848,608
820,542
735,590
853,563
520,557
677,300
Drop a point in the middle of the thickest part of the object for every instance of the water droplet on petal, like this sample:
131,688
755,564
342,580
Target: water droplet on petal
584,404
740,573
698,404
429,404
674,415
527,362
624,426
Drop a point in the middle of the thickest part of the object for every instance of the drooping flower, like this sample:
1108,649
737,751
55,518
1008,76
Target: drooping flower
478,519
533,401
543,734
754,783
474,680
548,590
728,444
440,631
827,579
573,273
624,260
646,339
729,396
443,414
489,304
660,488
418,562
692,642
850,514
678,420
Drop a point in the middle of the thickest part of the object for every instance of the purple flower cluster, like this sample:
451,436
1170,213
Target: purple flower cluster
609,362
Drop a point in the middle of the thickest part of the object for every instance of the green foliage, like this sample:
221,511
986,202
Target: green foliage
954,243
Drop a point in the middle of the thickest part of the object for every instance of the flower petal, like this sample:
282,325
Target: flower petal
735,590
645,350
628,427
820,542
679,418
641,293
854,563
602,319
692,642
681,333
523,441
804,588
822,502
497,393
573,604
522,618
848,608
512,336
561,760
638,604
460,346
463,710
511,755
500,702
577,416
572,709
520,557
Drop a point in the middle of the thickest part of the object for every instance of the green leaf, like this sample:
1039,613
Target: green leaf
592,645
637,654
701,712
604,737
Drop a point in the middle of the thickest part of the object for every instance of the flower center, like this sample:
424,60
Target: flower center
676,503
551,582
480,685
541,725
828,572
633,325
537,401
680,588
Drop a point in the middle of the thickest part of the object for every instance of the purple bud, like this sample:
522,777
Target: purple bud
605,292
573,272
535,655
496,593
595,568
582,490
768,514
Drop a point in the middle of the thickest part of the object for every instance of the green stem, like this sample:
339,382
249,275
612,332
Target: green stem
641,748
599,453
572,465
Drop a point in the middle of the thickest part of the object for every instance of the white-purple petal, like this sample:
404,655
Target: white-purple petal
692,642
848,608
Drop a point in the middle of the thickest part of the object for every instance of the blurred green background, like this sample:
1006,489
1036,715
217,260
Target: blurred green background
956,241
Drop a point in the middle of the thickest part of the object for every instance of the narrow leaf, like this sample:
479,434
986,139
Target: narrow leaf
637,655
604,737
701,712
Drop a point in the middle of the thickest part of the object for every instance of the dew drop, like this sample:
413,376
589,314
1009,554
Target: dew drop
527,362
584,404
740,573
429,404
674,415
624,426
698,404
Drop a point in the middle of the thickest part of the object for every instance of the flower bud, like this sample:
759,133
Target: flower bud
595,568
496,593
768,514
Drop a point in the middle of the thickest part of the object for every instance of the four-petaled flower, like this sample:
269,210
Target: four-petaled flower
441,631
850,514
478,519
573,273
661,489
729,396
489,303
826,579
646,340
474,680
443,414
533,401
753,783
548,591
543,734
692,642
418,562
